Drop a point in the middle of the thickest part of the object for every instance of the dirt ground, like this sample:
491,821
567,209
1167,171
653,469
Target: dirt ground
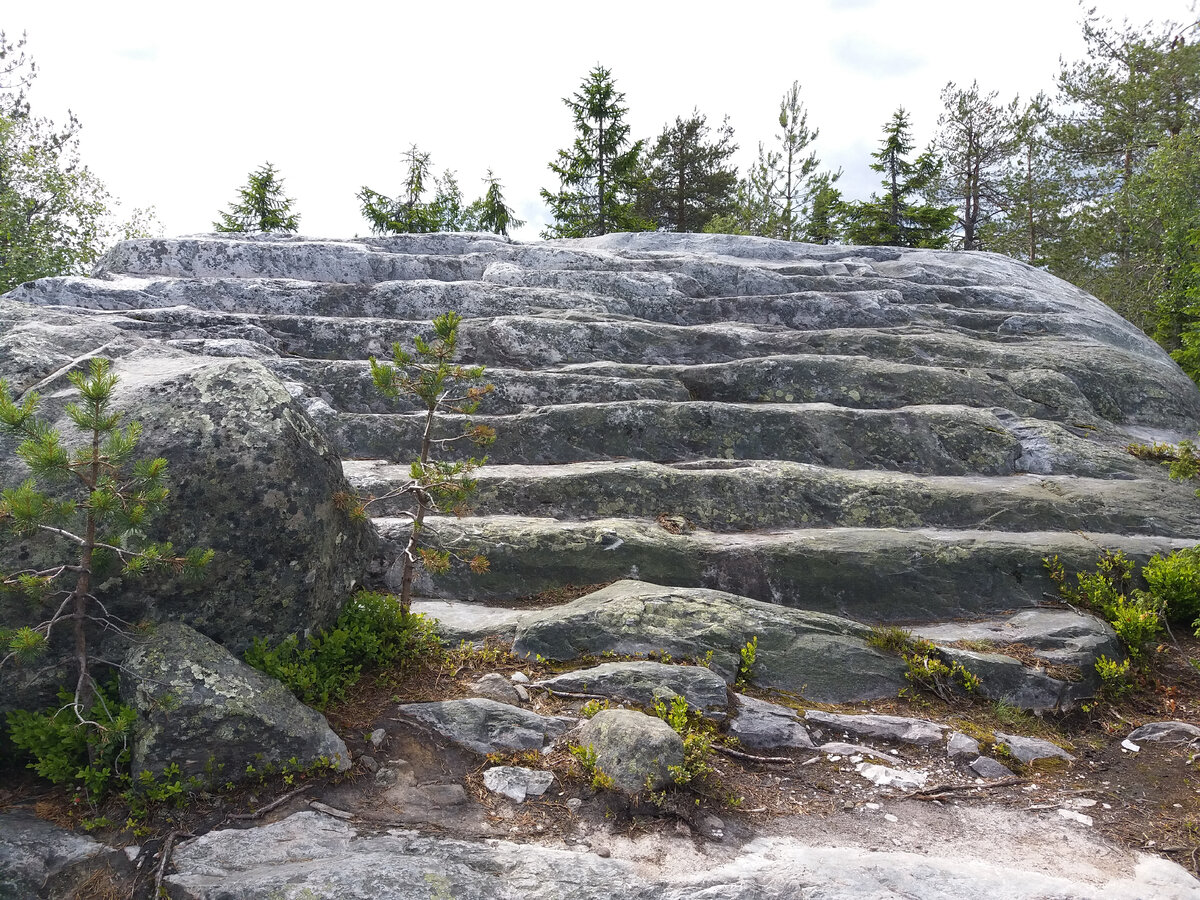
1148,800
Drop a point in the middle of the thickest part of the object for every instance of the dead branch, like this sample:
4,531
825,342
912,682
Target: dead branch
739,754
274,804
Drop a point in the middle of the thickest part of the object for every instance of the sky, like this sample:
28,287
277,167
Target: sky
180,102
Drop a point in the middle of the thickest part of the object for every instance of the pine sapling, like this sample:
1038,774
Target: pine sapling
439,386
109,501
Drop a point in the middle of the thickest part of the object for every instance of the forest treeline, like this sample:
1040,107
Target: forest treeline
1096,179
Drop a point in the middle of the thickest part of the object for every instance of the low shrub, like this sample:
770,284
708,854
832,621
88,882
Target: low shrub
1174,580
371,633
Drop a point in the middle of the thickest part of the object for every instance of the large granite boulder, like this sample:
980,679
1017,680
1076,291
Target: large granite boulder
213,715
249,476
634,750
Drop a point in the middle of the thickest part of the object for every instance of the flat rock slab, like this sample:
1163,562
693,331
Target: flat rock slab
486,726
986,767
643,682
1170,732
823,657
759,725
889,728
39,859
308,856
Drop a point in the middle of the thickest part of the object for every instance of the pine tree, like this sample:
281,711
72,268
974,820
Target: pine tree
976,138
689,178
825,206
598,174
792,167
895,218
103,525
262,206
430,377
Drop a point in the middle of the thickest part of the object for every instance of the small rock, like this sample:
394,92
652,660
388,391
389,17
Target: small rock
369,763
603,852
494,686
487,726
574,803
1129,745
889,728
1076,817
519,678
960,745
522,692
986,767
882,776
890,817
378,736
633,748
1166,731
516,782
1027,749
760,725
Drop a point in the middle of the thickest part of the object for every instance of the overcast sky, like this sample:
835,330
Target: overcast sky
180,101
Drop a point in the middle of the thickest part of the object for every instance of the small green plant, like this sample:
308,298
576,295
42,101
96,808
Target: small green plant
697,740
1175,580
430,378
587,759
592,707
1135,615
1115,681
371,633
927,668
748,654
890,639
94,759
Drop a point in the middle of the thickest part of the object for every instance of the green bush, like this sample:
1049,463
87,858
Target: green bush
1175,581
1114,677
371,633
1135,615
94,758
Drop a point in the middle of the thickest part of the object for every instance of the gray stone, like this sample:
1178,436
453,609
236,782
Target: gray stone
207,711
494,686
889,728
516,782
1028,749
986,767
519,678
635,750
1166,732
39,859
641,683
841,748
821,656
960,746
486,726
759,725
320,858
378,736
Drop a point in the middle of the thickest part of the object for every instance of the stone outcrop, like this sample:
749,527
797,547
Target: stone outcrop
212,715
486,726
642,683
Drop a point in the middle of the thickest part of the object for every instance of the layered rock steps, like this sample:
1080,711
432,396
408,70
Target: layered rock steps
894,435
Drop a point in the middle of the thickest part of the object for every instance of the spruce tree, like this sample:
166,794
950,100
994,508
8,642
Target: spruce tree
262,205
491,212
598,174
689,178
897,218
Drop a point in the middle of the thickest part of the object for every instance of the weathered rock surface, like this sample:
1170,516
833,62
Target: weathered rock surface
207,711
495,686
986,767
643,682
759,725
320,858
821,656
486,726
633,749
38,859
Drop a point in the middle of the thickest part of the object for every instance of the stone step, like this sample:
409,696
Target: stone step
877,575
934,440
346,386
728,496
1034,368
